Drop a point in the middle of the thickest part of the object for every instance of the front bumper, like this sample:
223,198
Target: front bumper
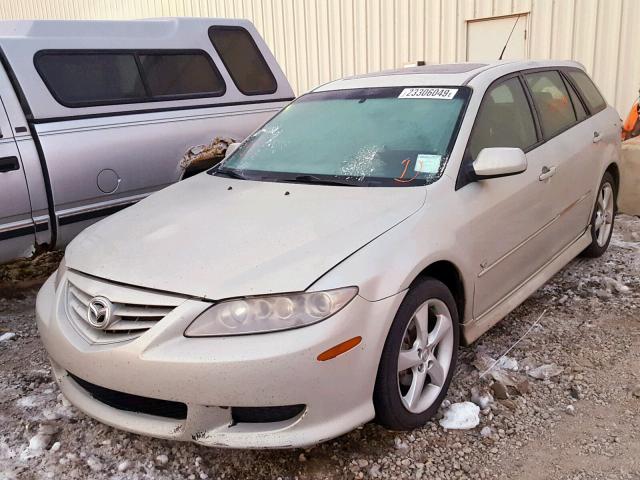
210,375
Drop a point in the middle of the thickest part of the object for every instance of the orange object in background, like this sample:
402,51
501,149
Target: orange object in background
631,127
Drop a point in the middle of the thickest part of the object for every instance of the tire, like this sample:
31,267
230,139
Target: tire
396,407
601,232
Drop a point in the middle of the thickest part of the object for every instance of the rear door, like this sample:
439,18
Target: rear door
568,152
17,231
601,129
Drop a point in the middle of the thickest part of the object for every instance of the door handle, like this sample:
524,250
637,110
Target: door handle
596,137
9,164
547,172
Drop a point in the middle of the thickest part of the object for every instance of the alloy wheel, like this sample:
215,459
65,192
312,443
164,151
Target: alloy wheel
425,355
604,215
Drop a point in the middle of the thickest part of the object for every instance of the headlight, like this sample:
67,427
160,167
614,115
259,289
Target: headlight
269,313
62,268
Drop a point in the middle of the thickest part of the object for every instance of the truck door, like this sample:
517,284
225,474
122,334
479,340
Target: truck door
17,231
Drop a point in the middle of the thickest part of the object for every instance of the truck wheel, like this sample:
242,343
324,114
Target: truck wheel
603,217
419,357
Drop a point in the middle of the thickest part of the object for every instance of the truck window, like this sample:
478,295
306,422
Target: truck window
181,74
79,79
243,60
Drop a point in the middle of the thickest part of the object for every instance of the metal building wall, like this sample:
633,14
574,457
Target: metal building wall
319,40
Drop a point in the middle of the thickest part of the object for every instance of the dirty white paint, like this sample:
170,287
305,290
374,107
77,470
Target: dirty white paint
319,40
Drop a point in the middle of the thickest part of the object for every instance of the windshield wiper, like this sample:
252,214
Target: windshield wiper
296,179
317,181
230,174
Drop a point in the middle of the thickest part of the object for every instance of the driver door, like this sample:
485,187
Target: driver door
509,215
17,231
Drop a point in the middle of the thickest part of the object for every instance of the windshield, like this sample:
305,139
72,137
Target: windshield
392,136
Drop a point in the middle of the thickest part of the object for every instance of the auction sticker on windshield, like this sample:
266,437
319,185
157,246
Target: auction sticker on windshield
438,93
428,163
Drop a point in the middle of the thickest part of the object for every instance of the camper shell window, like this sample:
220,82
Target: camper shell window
82,78
242,59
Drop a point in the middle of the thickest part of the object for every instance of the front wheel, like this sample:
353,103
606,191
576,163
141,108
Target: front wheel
419,357
603,217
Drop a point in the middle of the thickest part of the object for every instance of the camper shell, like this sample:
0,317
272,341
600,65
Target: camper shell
98,114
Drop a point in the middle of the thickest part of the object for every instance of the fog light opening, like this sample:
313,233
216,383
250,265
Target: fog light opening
339,349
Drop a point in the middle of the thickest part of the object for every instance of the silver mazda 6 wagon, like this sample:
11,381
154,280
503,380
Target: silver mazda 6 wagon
325,273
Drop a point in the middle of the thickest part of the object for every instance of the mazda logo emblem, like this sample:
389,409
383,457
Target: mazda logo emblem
100,312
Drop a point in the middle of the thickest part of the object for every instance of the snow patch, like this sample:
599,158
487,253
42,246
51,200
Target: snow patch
31,401
461,416
5,337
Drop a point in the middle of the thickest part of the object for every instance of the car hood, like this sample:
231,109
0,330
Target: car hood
215,238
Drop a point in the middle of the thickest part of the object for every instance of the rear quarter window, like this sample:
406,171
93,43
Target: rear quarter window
588,90
242,58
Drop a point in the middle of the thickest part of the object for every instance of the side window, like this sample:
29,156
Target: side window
588,90
552,101
578,108
80,79
77,79
504,120
181,74
242,58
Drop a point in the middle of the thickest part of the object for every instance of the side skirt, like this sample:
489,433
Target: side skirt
476,327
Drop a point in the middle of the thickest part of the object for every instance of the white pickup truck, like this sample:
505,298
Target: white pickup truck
96,115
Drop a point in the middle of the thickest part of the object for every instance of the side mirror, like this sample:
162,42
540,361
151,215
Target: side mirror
499,162
231,148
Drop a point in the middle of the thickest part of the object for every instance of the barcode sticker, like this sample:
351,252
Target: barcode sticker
439,93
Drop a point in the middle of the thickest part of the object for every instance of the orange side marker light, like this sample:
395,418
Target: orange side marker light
339,349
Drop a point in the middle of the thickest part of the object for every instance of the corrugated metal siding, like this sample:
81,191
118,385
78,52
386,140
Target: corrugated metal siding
319,40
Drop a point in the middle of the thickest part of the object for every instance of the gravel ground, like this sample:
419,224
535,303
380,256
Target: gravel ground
582,422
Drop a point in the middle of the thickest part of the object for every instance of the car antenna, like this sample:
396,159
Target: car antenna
509,37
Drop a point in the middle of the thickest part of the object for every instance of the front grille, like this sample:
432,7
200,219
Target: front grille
133,403
129,322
